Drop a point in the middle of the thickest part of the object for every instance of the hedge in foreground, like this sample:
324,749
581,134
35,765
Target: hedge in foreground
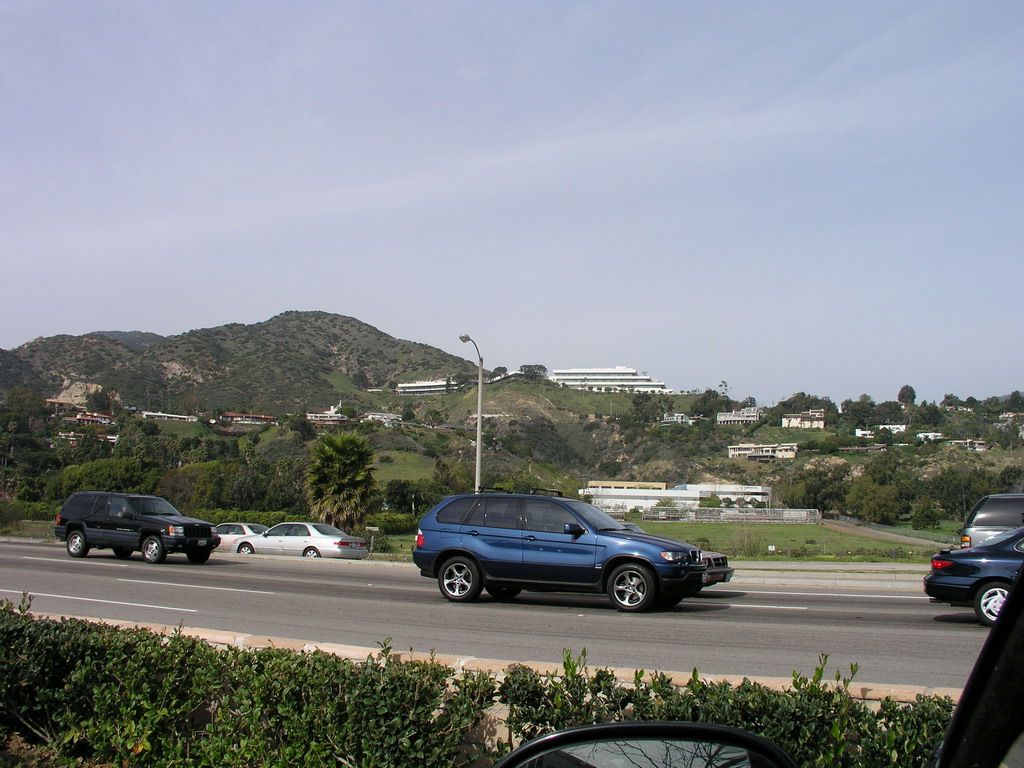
93,694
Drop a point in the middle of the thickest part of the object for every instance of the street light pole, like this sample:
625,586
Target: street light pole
464,338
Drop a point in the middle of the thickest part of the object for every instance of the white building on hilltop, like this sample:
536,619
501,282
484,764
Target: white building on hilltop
600,379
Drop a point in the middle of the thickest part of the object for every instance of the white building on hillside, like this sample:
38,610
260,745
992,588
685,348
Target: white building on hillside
749,415
619,496
439,387
600,379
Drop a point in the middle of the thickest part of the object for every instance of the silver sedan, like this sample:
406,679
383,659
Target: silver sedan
230,533
306,539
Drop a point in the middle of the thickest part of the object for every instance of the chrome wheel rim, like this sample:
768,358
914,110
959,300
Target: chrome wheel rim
992,602
630,588
457,580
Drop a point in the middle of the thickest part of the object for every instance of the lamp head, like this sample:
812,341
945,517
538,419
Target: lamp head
464,338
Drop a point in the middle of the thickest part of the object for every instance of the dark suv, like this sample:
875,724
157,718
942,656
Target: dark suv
126,523
504,543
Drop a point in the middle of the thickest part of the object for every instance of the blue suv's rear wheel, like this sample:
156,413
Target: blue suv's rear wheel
459,580
632,587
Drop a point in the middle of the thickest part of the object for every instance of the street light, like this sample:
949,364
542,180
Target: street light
464,338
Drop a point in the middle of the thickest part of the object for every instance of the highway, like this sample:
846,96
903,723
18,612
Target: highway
890,630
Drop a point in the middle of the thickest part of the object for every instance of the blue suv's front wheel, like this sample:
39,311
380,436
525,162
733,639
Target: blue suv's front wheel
632,587
459,580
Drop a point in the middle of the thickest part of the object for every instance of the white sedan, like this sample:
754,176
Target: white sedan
306,539
230,533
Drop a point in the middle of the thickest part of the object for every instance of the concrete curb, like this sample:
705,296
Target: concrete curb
867,692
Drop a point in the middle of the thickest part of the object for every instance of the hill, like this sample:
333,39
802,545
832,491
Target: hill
293,362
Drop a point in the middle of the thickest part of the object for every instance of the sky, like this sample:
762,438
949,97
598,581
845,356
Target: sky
786,197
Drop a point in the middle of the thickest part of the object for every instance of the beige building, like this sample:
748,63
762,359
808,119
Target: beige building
812,419
759,452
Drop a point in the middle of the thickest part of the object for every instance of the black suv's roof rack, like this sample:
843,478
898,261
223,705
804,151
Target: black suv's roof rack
545,492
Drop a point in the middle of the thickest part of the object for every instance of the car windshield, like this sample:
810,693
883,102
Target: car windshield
152,505
329,530
595,518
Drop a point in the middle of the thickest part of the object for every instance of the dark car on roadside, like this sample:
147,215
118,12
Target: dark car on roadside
980,576
129,522
505,543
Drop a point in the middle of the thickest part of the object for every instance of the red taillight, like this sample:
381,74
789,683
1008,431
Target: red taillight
419,539
938,564
965,542
344,544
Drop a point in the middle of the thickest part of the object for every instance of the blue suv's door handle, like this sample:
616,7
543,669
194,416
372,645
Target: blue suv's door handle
473,533
531,537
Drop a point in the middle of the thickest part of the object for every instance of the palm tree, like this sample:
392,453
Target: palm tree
340,483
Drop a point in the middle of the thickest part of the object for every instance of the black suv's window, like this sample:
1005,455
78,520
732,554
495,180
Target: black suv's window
496,513
152,505
454,512
95,504
546,516
75,506
118,507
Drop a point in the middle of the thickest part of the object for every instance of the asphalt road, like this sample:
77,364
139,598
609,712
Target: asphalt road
765,624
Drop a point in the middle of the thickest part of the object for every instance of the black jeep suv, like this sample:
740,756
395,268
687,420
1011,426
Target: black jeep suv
127,522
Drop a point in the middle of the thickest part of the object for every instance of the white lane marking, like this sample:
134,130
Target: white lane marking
773,607
840,594
96,600
198,586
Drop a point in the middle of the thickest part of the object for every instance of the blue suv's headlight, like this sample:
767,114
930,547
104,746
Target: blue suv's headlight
677,557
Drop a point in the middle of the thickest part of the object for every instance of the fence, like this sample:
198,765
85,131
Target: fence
731,515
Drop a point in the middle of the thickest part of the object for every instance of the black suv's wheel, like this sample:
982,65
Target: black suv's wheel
502,593
122,554
459,580
77,545
988,601
153,550
632,587
199,557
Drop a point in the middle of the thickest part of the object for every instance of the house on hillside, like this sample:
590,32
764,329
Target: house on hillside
754,452
811,419
749,415
436,387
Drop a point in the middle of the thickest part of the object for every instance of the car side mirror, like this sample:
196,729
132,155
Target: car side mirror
696,745
574,529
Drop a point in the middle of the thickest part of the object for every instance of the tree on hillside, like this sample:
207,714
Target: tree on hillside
857,413
533,371
339,482
710,403
906,395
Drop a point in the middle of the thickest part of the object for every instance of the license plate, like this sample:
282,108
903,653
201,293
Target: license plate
202,542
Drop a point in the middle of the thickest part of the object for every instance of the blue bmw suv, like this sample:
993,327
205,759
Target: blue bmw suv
504,543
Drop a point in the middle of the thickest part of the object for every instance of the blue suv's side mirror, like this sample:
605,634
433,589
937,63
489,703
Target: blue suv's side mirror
575,529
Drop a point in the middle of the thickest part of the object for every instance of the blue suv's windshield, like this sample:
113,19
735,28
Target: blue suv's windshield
595,518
